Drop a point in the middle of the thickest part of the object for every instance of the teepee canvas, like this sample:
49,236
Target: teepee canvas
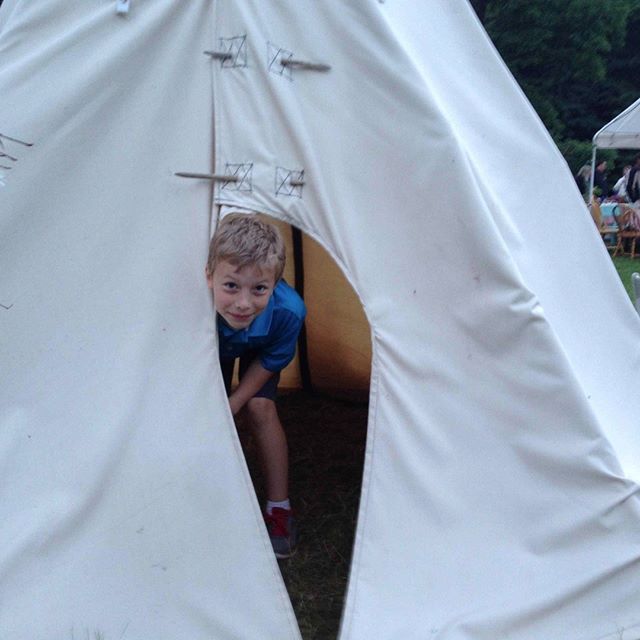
499,493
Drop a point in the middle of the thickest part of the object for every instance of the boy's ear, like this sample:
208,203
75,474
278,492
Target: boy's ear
209,277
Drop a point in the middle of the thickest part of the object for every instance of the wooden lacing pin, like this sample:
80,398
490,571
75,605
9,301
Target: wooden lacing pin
219,55
303,65
3,136
207,176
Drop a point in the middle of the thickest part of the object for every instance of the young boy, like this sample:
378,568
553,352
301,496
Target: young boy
259,318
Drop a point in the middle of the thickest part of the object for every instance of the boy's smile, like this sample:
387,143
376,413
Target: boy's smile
240,294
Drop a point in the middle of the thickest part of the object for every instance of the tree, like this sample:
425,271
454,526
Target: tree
578,61
479,6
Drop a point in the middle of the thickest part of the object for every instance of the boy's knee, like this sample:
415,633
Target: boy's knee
261,410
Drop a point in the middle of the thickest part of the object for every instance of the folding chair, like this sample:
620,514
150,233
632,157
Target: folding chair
626,232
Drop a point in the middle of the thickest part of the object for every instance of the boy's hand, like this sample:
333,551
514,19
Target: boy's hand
252,381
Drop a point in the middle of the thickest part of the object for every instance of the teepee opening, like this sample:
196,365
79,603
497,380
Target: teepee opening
323,406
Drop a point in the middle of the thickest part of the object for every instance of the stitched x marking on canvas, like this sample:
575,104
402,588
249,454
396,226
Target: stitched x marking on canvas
244,174
236,46
275,55
284,180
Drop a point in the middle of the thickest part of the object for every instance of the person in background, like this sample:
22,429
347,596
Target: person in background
620,187
633,181
600,179
583,178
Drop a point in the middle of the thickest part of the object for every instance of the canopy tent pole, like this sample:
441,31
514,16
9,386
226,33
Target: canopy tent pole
593,170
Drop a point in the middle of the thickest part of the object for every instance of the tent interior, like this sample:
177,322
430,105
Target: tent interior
323,405
335,324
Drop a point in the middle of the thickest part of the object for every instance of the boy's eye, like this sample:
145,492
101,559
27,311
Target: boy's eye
262,288
229,285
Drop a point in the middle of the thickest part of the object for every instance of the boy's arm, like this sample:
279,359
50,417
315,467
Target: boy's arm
253,379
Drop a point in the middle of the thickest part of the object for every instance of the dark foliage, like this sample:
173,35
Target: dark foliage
578,62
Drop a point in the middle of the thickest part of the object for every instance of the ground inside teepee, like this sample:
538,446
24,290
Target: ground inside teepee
326,438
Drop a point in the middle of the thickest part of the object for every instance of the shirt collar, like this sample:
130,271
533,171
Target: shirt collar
258,328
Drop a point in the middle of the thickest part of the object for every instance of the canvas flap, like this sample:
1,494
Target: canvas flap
126,510
494,501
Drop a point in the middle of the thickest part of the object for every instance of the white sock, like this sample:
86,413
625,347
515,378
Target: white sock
280,504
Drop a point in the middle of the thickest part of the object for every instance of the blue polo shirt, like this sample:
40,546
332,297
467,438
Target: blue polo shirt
274,333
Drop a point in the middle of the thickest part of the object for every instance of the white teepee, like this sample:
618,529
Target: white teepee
499,496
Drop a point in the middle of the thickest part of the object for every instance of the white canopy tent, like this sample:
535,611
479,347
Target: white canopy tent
623,132
500,494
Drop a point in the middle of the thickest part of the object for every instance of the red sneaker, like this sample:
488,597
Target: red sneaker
283,531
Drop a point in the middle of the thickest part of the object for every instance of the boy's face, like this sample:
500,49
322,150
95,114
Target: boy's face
240,294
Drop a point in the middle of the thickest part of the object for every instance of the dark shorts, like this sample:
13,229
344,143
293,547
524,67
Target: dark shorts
267,391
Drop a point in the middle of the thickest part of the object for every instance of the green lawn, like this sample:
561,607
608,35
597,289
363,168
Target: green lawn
626,266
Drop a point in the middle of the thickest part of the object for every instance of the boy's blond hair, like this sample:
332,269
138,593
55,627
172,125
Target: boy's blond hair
244,239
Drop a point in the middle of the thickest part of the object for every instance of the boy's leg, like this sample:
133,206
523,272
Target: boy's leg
268,434
271,443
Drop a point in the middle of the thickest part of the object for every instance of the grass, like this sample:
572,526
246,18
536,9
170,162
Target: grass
625,267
